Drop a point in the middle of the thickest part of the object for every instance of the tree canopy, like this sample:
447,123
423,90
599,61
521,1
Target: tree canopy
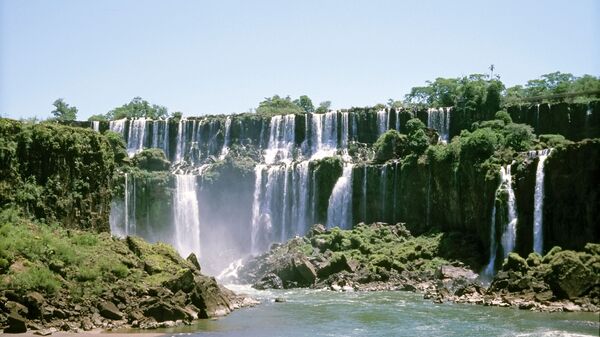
137,108
63,112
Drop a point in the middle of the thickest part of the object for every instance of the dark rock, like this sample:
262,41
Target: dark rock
534,260
337,264
451,272
194,261
569,277
16,323
19,308
270,281
183,280
280,300
515,262
305,269
34,302
316,230
211,299
544,296
110,311
163,311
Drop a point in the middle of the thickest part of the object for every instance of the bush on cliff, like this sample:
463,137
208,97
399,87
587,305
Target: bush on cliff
390,145
151,160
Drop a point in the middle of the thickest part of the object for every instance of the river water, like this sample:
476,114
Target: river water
326,313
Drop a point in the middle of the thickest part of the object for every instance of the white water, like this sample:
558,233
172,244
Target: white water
186,215
509,236
439,119
226,139
382,121
339,210
256,205
137,136
398,120
489,269
160,135
96,126
118,126
181,136
538,212
281,139
324,134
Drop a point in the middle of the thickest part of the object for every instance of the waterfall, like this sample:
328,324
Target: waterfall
538,213
489,269
96,126
256,209
339,210
186,215
122,213
398,119
118,126
439,119
136,137
382,121
281,139
302,198
226,140
382,187
324,134
160,135
181,136
509,235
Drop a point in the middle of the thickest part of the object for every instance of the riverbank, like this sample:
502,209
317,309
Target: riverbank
55,279
441,266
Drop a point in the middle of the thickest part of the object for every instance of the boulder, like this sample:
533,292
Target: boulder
534,260
515,262
210,299
34,302
183,280
162,311
269,281
109,310
305,269
451,272
16,323
569,277
337,264
194,261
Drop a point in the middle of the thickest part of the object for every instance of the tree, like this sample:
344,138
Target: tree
305,103
323,107
63,112
417,138
393,104
98,117
391,144
278,106
138,108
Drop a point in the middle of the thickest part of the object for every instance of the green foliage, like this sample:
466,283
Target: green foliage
389,145
323,107
414,125
478,145
278,106
553,140
117,144
151,160
503,116
305,103
556,83
519,137
418,141
137,108
63,112
35,278
98,117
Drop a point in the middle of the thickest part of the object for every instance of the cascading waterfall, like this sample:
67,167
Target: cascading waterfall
490,268
186,215
281,139
509,236
383,188
382,121
324,132
439,119
256,209
136,137
226,140
398,120
538,213
160,135
96,126
339,210
181,135
364,195
118,126
122,218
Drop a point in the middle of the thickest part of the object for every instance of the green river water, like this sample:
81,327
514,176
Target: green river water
326,313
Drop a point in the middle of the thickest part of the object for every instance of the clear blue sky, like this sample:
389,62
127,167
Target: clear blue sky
203,57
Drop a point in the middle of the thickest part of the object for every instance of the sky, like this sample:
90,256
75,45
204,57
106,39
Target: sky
211,57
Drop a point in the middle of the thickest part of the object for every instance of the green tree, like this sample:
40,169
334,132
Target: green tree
305,103
98,117
138,108
323,107
278,106
478,145
418,141
391,144
63,112
519,137
393,104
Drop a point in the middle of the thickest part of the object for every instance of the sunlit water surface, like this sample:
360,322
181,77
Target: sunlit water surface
325,313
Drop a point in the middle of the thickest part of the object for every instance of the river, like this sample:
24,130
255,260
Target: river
308,312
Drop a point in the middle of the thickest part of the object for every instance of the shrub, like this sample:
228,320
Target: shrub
503,116
553,140
519,137
35,278
390,145
151,160
478,145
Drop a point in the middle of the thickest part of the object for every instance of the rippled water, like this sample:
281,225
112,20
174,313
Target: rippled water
326,313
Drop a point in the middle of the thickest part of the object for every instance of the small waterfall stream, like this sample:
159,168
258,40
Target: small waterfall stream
439,119
509,236
186,215
538,212
339,210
